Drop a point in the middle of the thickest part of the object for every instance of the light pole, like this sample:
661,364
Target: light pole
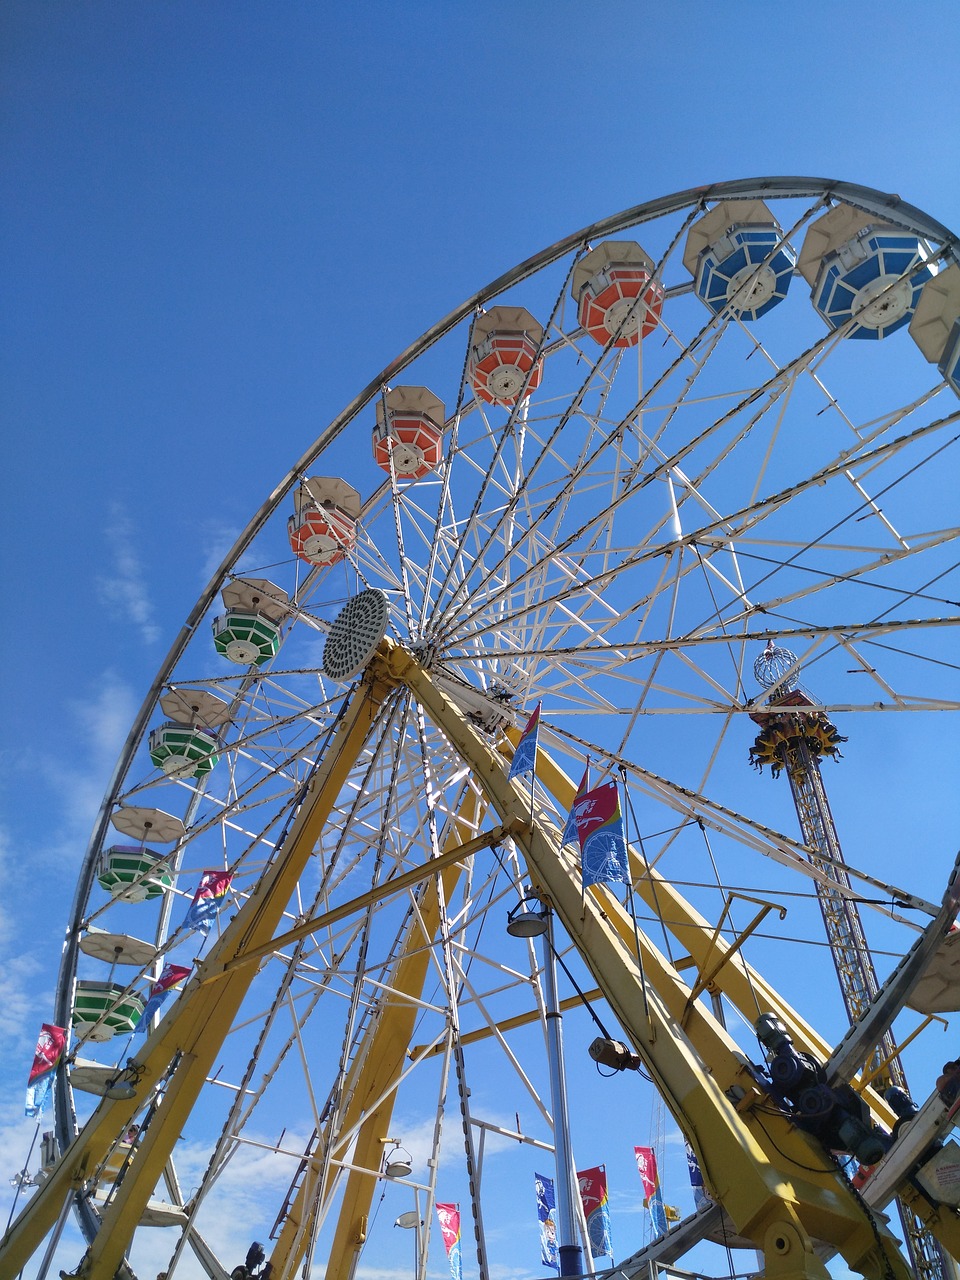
525,923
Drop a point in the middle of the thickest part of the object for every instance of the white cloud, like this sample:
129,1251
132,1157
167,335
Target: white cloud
216,539
89,749
105,718
21,1022
124,589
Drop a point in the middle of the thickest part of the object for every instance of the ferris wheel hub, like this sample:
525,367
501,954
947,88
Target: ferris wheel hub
357,630
536,572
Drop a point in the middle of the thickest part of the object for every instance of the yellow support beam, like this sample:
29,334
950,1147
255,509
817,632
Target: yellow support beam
185,1044
942,1221
393,886
745,988
772,1180
511,1024
778,1186
377,1066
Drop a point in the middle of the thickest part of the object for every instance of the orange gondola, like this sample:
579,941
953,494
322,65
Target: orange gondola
503,363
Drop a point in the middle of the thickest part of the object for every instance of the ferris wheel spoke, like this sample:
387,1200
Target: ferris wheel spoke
516,410
530,473
660,493
741,520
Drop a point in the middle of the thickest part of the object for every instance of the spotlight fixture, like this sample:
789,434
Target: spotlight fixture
528,919
397,1163
123,1086
611,1053
120,1091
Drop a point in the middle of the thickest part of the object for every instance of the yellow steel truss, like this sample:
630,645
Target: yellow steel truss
774,1181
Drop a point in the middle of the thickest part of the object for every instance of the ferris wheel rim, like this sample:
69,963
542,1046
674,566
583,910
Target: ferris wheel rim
873,202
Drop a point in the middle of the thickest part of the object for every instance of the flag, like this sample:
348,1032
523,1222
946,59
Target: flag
658,1213
525,756
570,830
46,1057
700,1197
546,1204
171,975
647,1167
596,1209
208,900
652,1198
449,1215
603,850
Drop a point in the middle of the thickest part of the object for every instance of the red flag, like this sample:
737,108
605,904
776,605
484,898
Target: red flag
172,974
647,1166
50,1044
594,808
570,829
208,900
603,850
596,1209
49,1050
593,1188
449,1215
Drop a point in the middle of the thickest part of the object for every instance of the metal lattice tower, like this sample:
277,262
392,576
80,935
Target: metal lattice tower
794,736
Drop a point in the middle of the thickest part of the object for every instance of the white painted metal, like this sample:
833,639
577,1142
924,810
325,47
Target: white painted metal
620,551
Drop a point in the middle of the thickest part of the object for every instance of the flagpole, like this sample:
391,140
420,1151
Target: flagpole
55,1238
570,1253
125,1050
631,904
13,1207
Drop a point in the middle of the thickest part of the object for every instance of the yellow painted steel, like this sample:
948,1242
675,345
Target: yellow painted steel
941,1221
772,1180
375,1069
184,1045
511,1024
775,1183
746,989
396,884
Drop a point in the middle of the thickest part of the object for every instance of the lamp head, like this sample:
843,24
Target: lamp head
120,1091
528,919
397,1163
123,1086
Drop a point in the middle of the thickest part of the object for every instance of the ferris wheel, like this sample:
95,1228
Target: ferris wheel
719,424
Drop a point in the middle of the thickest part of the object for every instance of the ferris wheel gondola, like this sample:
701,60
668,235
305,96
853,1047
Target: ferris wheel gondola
605,484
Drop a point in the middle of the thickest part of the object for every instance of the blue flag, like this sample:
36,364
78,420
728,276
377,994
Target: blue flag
700,1197
208,900
603,849
525,757
546,1206
172,974
658,1213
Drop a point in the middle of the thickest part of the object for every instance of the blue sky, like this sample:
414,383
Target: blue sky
221,220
